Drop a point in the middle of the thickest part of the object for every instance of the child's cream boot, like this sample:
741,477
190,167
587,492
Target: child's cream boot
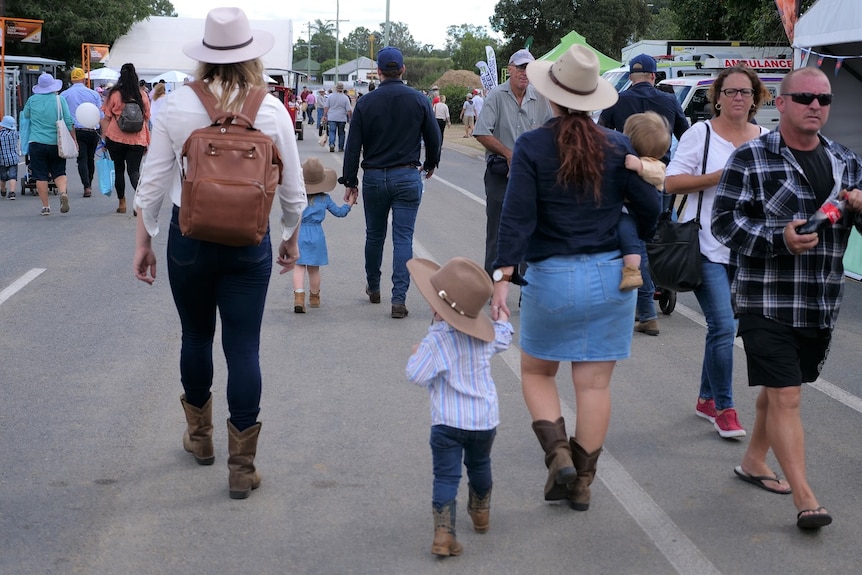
632,279
313,299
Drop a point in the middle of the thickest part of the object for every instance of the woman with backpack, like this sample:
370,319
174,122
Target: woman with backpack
207,277
125,130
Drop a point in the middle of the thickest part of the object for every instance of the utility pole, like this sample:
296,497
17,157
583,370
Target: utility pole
386,28
337,41
308,79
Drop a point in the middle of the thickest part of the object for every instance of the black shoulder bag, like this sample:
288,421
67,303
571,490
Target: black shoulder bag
674,253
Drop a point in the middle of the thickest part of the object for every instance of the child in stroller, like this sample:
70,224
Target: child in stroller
28,182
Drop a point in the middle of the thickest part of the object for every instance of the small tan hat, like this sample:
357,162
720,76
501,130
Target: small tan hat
458,291
318,179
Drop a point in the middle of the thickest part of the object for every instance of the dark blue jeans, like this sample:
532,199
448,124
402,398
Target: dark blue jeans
447,446
88,140
336,128
398,190
206,277
646,293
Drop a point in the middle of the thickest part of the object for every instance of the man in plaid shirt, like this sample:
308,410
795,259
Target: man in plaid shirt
786,286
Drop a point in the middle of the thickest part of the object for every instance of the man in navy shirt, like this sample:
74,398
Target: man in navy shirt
387,128
643,96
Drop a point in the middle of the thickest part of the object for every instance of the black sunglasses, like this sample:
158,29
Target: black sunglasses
806,98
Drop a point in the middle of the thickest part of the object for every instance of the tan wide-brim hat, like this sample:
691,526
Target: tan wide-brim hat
573,81
458,291
228,39
318,179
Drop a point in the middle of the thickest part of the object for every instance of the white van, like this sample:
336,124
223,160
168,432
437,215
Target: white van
692,94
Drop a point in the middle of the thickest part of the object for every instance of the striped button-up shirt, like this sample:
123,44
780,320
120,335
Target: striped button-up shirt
456,369
762,189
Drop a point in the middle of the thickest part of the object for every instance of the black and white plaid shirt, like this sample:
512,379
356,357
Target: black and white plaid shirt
762,189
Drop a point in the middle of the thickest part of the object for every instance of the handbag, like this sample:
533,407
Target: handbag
66,144
104,170
674,253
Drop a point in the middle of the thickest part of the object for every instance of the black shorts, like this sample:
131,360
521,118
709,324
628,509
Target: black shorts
45,162
781,355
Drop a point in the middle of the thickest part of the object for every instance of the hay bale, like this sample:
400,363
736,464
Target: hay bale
459,78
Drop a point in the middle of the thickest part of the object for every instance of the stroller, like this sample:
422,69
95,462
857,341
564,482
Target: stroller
28,182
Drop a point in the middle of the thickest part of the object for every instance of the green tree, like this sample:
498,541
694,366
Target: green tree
358,40
423,72
608,25
466,44
753,21
399,36
69,24
662,26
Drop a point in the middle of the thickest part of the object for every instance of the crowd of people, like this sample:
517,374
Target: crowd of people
570,204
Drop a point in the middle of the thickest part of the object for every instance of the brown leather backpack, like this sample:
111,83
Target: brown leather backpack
230,172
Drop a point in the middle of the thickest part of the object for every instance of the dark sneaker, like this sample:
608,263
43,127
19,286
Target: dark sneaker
331,148
399,311
64,203
649,327
373,296
46,211
11,195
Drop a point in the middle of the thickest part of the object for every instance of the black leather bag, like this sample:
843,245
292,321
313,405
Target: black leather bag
674,253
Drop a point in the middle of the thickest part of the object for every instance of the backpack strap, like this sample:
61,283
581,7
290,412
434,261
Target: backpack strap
249,108
206,97
252,103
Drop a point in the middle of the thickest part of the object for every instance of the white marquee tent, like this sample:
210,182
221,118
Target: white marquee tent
155,45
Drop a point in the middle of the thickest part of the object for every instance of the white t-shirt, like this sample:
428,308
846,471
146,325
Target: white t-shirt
478,102
688,159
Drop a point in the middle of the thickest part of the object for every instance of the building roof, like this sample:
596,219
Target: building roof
365,63
306,64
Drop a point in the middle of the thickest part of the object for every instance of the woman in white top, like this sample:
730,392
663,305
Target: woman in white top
735,96
441,113
208,277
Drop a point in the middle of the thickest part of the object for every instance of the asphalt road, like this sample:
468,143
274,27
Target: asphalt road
94,480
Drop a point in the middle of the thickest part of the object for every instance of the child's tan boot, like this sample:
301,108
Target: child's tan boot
314,299
445,543
299,301
632,279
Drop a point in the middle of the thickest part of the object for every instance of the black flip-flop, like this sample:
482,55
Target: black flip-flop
758,480
815,520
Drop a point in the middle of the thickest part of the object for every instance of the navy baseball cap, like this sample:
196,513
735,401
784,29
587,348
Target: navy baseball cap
642,63
390,58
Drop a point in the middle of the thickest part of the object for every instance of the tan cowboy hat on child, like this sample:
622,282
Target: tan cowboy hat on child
573,81
228,39
458,292
317,178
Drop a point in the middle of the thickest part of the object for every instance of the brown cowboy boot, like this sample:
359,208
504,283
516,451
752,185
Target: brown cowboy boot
242,447
198,436
479,509
558,457
445,543
298,301
314,299
585,463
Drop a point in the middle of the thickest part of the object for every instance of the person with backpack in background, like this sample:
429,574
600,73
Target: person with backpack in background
125,129
208,277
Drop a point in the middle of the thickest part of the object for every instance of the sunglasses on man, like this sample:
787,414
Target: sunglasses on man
806,98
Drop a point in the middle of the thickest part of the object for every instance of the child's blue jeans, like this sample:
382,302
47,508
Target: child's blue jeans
447,446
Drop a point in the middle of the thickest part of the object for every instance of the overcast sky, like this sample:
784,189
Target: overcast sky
427,21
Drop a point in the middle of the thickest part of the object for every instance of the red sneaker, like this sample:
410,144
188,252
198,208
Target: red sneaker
706,410
727,424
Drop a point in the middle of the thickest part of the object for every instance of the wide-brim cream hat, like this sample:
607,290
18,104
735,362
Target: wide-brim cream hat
228,39
458,291
318,179
573,81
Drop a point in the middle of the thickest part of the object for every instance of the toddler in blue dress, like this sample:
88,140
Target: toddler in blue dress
453,362
312,240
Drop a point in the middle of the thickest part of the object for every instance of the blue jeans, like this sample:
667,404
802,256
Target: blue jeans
447,446
398,190
339,128
206,277
713,295
319,121
646,293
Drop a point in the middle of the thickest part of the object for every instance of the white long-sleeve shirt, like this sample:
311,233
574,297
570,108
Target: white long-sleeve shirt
183,112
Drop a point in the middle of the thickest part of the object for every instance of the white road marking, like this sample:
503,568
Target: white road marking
19,284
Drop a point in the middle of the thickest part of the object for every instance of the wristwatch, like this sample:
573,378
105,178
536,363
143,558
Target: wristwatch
499,276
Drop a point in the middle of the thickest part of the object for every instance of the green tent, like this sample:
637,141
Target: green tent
605,63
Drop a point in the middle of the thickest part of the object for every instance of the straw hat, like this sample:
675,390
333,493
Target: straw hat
573,81
47,84
228,39
317,178
458,291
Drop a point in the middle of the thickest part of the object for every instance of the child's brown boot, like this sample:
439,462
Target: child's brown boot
631,279
314,299
479,509
299,301
445,543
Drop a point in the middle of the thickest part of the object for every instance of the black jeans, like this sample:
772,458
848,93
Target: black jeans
87,142
127,157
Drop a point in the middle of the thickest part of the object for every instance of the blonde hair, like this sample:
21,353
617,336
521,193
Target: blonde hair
649,133
158,91
238,77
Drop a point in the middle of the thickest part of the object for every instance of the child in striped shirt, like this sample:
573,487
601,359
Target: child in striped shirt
454,362
9,157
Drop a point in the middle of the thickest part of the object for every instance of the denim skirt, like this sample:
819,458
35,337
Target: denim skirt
573,310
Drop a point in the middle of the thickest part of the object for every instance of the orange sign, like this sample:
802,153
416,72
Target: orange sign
24,31
99,52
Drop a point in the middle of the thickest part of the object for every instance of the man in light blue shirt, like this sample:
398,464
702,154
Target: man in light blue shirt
88,136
